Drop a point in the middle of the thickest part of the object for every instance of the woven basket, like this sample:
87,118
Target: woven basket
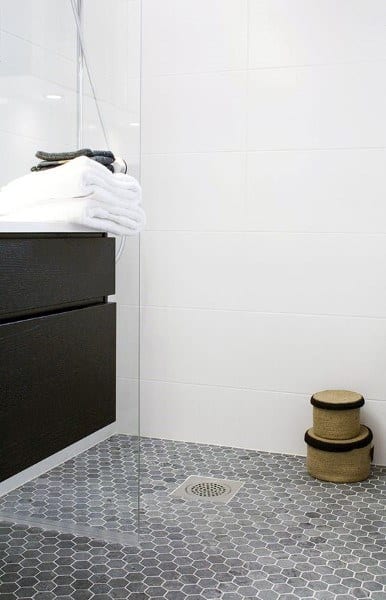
336,414
340,461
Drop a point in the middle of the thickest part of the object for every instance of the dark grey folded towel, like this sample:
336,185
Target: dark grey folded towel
49,164
55,156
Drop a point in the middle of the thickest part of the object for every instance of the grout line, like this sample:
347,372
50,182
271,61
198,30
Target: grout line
261,312
40,46
22,136
260,150
265,232
155,75
241,389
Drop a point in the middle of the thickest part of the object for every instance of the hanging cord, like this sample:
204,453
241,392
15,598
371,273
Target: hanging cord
86,63
82,44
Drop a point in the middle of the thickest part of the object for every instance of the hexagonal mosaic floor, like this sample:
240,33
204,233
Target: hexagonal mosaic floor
283,536
94,494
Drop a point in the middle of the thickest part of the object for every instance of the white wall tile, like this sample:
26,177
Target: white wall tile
121,125
194,191
188,412
121,29
340,190
12,145
303,32
197,178
127,406
181,36
194,113
127,341
320,274
373,414
283,353
21,59
316,107
26,112
29,73
46,23
127,272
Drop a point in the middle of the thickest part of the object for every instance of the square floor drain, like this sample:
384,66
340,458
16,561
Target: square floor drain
210,489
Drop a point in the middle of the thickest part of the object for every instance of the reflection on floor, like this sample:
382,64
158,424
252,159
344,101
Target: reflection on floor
95,494
283,536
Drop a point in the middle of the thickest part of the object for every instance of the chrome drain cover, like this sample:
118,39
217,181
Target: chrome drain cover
208,489
220,491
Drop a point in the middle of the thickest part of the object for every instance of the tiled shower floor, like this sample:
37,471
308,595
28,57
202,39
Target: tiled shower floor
283,536
93,494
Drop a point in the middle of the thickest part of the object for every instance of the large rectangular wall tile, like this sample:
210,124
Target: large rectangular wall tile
239,418
181,36
224,416
339,190
49,24
122,29
194,191
121,124
14,145
127,406
374,415
21,60
310,273
127,341
127,272
275,352
303,32
334,106
194,113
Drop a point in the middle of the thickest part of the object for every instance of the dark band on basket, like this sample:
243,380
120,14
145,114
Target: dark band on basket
342,447
339,406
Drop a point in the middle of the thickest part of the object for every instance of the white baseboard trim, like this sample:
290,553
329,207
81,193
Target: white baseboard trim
56,459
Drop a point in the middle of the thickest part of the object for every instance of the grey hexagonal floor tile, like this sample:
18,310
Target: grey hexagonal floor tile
283,536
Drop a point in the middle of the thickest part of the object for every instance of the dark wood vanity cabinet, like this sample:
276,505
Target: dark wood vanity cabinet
57,343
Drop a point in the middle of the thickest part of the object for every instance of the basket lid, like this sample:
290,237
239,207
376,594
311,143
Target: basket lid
364,438
337,400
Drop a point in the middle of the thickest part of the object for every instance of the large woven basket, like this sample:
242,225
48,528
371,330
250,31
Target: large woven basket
343,461
336,414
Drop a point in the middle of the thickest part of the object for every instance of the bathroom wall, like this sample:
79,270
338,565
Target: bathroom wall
37,81
38,111
264,259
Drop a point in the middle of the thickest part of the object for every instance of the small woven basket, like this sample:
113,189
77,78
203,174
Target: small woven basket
336,414
344,461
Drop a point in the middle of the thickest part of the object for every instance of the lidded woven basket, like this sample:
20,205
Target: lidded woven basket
336,414
340,461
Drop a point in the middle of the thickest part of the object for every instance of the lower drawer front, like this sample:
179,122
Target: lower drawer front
57,383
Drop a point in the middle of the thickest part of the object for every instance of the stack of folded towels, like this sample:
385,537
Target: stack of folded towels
85,187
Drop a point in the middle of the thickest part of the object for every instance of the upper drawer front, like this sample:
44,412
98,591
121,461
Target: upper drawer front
40,273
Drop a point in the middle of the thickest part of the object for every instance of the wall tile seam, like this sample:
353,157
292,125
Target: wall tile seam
240,389
264,150
247,69
276,232
40,46
260,312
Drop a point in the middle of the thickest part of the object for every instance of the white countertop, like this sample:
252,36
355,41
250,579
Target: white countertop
15,227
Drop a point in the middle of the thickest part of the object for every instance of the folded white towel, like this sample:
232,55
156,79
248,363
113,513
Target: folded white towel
83,211
77,178
81,191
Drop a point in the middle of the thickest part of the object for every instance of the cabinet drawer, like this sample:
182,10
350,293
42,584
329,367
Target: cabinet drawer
43,272
57,383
